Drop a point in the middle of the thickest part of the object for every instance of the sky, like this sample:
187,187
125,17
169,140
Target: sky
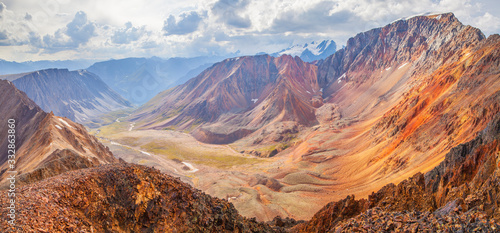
105,29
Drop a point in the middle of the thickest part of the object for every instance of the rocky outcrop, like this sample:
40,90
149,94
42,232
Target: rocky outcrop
461,193
58,162
77,95
123,198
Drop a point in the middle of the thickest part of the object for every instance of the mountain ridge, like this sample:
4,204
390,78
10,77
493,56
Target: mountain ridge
43,138
78,95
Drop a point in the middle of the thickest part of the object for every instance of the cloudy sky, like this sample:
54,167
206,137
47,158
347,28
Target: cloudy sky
103,29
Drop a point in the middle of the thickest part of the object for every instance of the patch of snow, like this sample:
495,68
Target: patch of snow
321,89
117,119
406,63
66,123
193,169
115,143
343,76
59,127
423,14
313,47
132,125
255,100
308,92
438,17
146,153
388,68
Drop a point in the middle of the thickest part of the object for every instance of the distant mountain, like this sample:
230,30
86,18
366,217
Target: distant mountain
310,51
11,67
45,145
139,79
77,95
244,94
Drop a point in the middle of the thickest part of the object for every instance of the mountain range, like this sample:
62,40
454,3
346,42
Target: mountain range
11,67
78,95
140,79
267,90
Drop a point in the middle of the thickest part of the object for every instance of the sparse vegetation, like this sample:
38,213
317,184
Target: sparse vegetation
110,130
108,118
211,158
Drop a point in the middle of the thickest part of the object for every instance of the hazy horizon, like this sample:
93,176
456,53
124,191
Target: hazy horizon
103,30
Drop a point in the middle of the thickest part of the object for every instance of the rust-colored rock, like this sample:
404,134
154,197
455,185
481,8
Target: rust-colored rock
123,198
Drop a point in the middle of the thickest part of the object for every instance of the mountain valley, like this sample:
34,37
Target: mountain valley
356,121
399,130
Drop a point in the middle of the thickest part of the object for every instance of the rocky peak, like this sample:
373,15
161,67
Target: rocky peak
433,38
234,86
46,144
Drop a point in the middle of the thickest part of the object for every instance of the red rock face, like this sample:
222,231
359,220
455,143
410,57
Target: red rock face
404,94
27,115
240,94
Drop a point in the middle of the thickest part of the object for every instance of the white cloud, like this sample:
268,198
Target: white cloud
127,34
54,29
228,12
186,23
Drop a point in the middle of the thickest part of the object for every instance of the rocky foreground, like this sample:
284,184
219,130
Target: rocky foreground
378,220
122,198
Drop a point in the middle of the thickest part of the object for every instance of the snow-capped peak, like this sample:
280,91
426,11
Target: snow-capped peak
310,51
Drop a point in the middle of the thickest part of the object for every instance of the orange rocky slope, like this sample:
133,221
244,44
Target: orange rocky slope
46,145
461,194
442,88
